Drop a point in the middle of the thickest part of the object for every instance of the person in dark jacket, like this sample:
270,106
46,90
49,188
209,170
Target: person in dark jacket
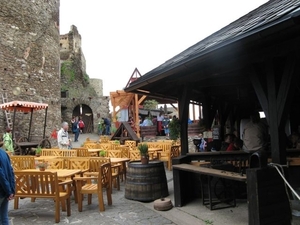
107,126
75,129
7,186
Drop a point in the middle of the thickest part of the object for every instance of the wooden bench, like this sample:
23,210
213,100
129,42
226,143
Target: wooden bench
22,162
43,185
59,152
184,182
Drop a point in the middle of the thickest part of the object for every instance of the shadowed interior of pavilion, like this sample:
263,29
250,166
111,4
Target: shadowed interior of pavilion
251,64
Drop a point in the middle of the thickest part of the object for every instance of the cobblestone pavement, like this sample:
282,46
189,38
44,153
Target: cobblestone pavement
122,211
127,212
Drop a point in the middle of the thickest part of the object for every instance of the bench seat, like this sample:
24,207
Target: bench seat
184,182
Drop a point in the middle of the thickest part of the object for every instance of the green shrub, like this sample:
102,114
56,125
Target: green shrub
143,149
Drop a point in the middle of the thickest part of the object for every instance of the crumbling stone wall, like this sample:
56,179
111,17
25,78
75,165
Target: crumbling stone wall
74,80
97,84
29,59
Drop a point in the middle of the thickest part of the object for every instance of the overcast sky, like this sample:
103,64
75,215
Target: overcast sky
120,35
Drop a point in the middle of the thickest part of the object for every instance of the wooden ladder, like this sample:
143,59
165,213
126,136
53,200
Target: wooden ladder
7,113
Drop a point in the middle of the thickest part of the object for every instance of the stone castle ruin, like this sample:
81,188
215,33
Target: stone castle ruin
81,96
45,67
29,60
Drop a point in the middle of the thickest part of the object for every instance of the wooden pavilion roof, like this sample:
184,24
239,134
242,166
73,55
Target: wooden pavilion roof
122,99
251,64
219,64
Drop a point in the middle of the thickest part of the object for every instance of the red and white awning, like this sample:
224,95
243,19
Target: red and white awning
22,106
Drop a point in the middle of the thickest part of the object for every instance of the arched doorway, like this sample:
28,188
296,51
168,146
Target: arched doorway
86,113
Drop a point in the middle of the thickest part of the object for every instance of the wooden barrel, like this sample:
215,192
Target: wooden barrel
146,182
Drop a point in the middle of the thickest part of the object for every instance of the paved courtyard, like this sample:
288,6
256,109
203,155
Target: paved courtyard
124,211
121,212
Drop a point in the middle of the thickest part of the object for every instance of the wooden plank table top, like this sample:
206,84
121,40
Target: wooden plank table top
211,172
44,158
154,149
61,173
90,150
119,160
293,161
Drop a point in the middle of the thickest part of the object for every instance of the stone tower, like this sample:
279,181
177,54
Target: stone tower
30,59
83,96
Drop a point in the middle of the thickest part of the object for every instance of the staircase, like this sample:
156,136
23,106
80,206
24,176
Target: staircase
7,113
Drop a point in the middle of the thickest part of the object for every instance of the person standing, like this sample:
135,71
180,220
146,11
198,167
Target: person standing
7,141
160,118
63,137
255,134
7,186
147,122
72,120
107,126
165,123
75,129
81,125
202,143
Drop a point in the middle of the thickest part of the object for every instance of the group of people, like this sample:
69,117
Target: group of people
254,137
76,130
162,122
63,140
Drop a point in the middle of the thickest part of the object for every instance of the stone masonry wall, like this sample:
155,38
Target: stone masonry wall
29,59
97,84
81,89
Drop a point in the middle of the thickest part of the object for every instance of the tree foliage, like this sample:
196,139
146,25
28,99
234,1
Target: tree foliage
150,104
174,127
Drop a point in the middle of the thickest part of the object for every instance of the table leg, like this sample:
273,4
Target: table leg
177,188
125,170
74,189
209,193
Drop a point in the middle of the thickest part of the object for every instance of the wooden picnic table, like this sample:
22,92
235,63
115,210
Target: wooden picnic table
44,158
122,161
62,174
119,160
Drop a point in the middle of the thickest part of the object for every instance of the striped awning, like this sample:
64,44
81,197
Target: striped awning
22,106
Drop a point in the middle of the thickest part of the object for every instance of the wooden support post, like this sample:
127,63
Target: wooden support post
142,99
260,92
267,182
206,108
114,109
136,113
276,131
200,113
174,107
30,125
183,115
276,101
194,113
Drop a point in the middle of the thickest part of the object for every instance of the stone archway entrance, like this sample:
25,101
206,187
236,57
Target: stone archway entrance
86,113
